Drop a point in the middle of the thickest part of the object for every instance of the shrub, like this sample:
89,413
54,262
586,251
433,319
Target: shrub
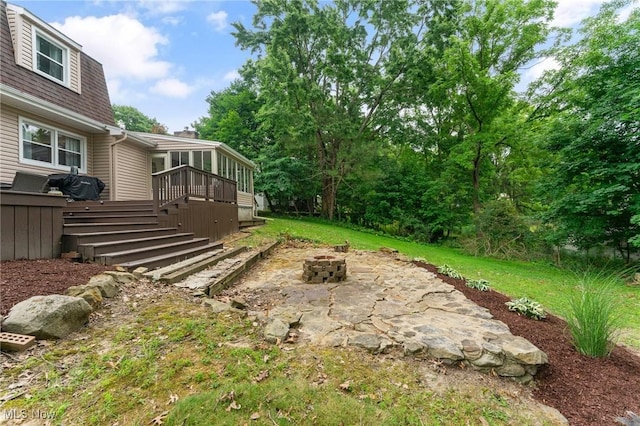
449,271
482,285
527,307
592,317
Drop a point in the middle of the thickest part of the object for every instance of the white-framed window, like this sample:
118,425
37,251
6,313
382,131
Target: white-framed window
47,146
202,160
244,179
50,58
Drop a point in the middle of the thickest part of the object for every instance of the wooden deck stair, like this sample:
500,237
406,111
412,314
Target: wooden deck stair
127,233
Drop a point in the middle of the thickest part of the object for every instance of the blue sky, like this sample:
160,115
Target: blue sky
165,57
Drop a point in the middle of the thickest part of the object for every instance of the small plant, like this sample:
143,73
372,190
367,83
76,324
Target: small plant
449,271
482,285
527,307
592,320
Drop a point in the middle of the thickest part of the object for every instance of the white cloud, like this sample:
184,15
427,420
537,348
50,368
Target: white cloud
218,20
172,87
231,75
571,12
124,46
164,7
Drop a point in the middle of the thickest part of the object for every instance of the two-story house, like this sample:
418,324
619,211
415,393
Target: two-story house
55,116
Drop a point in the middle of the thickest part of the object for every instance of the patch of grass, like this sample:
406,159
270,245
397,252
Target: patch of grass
337,386
592,317
190,366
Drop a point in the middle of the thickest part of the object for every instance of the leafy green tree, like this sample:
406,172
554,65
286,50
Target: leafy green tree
492,41
325,71
134,120
595,186
233,119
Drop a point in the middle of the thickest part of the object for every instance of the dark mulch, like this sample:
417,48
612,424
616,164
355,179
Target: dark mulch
21,279
585,390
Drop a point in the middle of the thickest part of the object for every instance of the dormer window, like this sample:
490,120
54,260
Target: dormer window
50,58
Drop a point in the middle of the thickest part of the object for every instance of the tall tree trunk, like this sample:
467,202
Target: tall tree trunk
476,178
329,191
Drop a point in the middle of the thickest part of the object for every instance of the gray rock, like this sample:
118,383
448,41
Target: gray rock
555,415
140,271
48,317
523,351
368,341
91,294
442,348
511,369
289,315
335,339
121,277
276,330
488,359
239,303
217,306
106,283
471,349
413,348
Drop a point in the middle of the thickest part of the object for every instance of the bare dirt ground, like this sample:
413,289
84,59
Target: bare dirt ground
586,391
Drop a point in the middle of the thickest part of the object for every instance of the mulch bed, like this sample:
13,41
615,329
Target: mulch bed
585,390
21,279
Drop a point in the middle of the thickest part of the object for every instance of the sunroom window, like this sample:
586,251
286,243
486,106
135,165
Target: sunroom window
50,147
50,58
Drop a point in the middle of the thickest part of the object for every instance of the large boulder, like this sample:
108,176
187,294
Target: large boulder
48,317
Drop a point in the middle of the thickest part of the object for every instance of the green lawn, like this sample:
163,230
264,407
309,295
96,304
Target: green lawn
547,284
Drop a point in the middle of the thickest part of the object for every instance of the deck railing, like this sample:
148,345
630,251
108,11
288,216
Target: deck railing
179,183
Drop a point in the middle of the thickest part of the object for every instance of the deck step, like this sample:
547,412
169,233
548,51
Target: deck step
70,242
115,258
107,212
110,203
167,259
75,228
91,250
116,218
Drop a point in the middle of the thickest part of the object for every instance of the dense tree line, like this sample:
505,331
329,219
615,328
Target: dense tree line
403,116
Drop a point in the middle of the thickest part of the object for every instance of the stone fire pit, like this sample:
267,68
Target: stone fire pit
324,269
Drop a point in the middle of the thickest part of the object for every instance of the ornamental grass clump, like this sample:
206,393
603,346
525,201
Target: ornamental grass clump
592,318
527,307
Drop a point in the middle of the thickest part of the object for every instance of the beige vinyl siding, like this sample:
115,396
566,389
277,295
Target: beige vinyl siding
132,172
245,199
9,144
24,46
74,71
100,153
10,149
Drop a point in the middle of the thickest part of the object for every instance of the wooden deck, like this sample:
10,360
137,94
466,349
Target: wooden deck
31,225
